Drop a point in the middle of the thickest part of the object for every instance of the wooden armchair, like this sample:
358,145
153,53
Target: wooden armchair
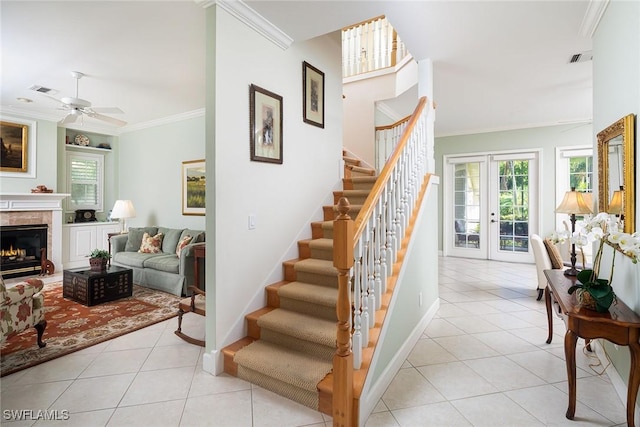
196,303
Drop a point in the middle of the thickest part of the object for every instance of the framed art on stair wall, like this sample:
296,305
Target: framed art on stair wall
312,95
265,125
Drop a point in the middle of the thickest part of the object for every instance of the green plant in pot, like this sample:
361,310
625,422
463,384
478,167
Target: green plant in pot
98,259
592,291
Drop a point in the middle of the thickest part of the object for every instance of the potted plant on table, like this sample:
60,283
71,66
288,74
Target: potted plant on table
594,292
98,259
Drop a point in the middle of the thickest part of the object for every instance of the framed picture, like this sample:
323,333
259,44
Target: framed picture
14,141
194,180
312,95
265,125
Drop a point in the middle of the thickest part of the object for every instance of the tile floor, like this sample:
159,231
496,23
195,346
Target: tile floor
482,361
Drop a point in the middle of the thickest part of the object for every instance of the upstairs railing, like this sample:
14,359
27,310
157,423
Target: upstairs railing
387,138
370,45
365,251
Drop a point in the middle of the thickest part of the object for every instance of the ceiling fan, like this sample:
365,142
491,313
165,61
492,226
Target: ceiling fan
77,107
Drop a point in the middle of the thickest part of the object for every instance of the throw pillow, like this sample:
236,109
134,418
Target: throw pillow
182,243
554,254
151,244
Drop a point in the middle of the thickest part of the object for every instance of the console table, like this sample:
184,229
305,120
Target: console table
620,325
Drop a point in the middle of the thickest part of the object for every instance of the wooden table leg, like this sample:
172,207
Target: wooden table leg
570,340
634,379
547,301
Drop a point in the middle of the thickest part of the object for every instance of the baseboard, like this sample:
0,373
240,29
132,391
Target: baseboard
213,362
371,395
619,384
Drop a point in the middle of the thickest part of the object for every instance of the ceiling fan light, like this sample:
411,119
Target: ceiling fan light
76,102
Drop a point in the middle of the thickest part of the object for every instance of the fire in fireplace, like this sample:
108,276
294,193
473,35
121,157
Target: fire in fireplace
21,249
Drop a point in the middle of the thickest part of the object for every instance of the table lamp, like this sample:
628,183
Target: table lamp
122,210
615,205
572,204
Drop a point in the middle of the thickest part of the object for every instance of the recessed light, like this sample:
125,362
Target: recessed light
25,100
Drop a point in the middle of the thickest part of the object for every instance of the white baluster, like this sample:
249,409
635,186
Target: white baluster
357,298
371,293
377,255
364,297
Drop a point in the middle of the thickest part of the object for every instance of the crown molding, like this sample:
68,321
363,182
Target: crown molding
595,10
165,120
252,19
387,111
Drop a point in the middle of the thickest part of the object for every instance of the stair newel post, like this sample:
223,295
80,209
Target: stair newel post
343,358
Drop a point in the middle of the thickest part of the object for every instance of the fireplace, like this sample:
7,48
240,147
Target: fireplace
21,248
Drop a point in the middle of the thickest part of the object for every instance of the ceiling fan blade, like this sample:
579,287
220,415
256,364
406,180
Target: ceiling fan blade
107,119
69,118
107,110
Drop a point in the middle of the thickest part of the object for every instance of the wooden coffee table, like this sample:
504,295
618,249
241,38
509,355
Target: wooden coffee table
90,287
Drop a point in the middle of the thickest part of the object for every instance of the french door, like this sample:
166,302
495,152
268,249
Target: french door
491,205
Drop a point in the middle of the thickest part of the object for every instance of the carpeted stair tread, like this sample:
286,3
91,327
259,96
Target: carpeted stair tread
317,266
304,397
322,295
292,367
300,326
321,248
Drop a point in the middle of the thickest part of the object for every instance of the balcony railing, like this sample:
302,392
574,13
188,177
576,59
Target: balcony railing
369,46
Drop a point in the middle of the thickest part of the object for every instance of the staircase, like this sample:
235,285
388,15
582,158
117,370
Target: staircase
291,342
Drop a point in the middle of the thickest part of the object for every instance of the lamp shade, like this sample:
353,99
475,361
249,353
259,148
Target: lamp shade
123,209
615,205
574,203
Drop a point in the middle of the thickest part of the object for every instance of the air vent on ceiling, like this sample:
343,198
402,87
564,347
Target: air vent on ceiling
581,57
41,89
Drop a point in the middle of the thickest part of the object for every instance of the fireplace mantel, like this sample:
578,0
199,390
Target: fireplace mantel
12,203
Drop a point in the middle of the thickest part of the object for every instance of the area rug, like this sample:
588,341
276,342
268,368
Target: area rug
72,326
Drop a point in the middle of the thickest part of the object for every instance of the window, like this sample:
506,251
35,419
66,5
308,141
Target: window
85,180
574,170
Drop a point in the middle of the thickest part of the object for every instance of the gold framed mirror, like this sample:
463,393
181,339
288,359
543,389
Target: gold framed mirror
616,172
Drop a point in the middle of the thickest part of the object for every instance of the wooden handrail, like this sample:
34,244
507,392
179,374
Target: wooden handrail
392,125
367,209
366,21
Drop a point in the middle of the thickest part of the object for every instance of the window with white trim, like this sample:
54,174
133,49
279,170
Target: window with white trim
574,170
85,178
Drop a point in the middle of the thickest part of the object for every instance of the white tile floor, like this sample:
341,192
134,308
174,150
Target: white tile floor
482,361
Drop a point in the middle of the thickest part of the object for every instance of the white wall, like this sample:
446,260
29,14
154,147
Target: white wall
545,138
284,198
149,172
361,94
616,93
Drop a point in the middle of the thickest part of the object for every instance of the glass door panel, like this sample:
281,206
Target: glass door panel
512,206
467,205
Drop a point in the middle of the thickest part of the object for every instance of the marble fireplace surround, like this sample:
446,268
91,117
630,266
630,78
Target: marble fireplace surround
37,208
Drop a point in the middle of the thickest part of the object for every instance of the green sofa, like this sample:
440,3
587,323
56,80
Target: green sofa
164,271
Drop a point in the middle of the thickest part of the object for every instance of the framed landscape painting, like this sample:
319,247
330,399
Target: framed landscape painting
312,95
14,141
265,125
194,181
